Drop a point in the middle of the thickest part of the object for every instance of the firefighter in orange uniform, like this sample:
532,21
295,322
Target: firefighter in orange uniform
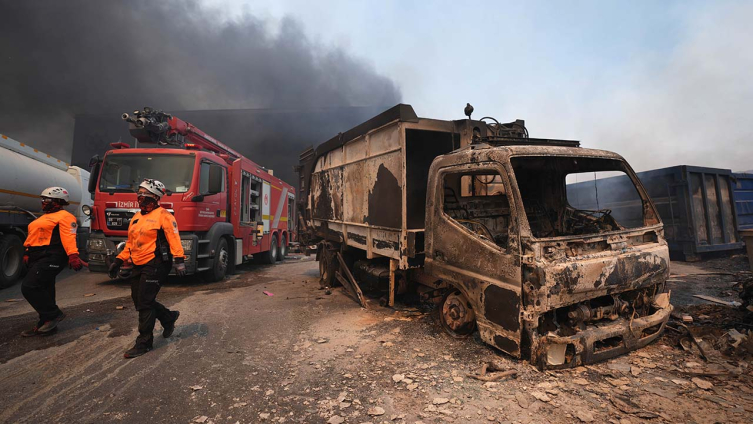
154,248
50,245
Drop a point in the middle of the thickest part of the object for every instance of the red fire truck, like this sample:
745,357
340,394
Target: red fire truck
228,208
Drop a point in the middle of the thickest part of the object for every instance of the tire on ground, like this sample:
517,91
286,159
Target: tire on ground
220,264
283,249
12,266
327,267
270,256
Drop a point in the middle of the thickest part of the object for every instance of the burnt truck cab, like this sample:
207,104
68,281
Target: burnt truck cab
543,271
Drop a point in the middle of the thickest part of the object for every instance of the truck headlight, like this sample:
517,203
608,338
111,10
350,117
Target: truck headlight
96,244
187,245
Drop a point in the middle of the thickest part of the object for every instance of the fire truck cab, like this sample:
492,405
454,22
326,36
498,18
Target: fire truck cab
228,208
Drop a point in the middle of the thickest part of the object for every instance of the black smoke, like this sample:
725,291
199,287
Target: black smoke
59,59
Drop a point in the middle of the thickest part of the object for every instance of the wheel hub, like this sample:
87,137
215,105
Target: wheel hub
457,316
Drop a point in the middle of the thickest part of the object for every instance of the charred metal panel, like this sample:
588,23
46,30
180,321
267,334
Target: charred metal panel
572,280
505,344
358,180
383,140
502,306
326,187
385,198
385,242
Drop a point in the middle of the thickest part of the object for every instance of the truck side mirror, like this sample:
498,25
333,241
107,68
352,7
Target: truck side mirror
94,176
215,179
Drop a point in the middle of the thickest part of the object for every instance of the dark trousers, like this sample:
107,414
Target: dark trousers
144,289
38,286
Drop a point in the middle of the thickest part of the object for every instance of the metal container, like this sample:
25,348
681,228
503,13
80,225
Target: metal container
743,192
696,204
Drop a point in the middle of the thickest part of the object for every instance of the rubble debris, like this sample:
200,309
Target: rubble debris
336,419
13,300
628,407
701,383
195,388
90,294
375,411
585,416
690,337
523,400
492,371
717,300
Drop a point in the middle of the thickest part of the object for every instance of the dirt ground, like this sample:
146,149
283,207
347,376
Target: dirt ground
300,355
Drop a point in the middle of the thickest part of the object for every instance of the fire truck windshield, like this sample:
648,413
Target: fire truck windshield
123,172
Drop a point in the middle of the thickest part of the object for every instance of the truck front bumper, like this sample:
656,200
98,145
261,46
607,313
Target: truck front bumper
102,253
600,342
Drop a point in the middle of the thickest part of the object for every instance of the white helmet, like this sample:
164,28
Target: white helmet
56,193
155,187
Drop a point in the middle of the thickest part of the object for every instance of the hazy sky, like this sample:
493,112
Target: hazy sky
661,82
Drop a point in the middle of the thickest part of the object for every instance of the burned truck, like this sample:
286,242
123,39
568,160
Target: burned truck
476,216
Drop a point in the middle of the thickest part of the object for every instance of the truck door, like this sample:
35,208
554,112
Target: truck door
472,244
212,184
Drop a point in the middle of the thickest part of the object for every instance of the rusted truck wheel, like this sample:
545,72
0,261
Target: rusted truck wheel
327,267
456,315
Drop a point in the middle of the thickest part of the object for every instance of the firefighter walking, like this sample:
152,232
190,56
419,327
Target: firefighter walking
50,245
154,248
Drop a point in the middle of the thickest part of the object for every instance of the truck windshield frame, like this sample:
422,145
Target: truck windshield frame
176,172
542,184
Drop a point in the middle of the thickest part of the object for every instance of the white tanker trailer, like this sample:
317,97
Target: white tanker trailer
24,173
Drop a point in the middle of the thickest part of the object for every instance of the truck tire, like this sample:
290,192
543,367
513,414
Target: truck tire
456,314
11,260
270,256
327,267
283,250
221,261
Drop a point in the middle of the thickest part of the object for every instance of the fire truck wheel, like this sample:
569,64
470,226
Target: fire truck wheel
221,260
283,250
270,256
11,260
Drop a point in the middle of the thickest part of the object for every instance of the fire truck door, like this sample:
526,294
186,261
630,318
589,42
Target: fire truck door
266,200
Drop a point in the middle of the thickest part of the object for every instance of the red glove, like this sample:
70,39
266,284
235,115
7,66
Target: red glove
75,262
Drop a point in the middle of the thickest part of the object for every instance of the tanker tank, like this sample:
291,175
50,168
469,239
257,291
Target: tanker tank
24,173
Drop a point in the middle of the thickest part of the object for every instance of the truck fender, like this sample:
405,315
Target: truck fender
218,230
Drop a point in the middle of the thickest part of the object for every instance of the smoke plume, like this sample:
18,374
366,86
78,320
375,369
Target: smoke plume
90,56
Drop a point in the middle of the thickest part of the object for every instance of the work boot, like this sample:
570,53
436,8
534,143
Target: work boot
136,351
51,324
30,332
35,332
168,328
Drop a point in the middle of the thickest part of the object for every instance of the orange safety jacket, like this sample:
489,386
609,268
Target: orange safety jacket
54,228
142,236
